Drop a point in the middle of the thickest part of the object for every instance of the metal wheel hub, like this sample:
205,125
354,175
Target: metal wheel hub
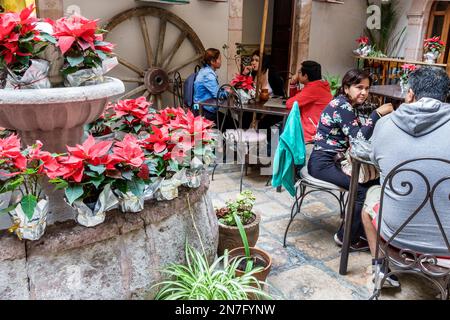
156,80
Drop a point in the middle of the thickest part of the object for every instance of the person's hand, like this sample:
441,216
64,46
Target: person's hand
294,79
385,109
247,70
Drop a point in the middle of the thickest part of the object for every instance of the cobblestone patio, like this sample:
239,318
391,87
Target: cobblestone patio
308,267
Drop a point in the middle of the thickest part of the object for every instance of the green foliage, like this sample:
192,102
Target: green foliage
249,264
28,204
242,207
334,81
383,40
73,192
197,280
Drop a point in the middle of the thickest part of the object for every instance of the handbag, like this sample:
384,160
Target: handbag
367,172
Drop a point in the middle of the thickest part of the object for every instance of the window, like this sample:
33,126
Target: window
439,25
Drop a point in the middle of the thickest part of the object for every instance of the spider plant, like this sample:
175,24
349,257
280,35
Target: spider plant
248,257
197,280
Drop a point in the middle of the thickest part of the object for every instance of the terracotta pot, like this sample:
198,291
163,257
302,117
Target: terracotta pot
254,252
230,238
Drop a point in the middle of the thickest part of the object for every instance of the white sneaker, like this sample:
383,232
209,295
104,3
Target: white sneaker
390,282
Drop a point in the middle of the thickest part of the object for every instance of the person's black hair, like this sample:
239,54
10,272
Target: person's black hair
429,82
209,56
353,77
312,69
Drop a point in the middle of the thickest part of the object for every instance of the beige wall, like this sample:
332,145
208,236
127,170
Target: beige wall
252,20
334,28
208,19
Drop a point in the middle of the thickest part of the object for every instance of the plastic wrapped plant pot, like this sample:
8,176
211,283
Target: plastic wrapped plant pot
30,228
129,202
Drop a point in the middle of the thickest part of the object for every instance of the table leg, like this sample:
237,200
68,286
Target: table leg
349,216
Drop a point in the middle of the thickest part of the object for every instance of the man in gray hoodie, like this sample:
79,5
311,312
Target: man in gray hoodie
419,128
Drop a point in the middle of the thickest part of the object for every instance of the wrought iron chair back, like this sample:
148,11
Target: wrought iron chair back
177,90
407,260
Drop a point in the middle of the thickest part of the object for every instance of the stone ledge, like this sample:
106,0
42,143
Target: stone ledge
68,235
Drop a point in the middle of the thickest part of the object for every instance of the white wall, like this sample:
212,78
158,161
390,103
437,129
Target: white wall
403,8
208,19
334,29
252,21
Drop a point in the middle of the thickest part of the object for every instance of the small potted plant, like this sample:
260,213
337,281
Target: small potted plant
364,47
406,71
244,86
20,175
256,260
433,48
83,176
229,236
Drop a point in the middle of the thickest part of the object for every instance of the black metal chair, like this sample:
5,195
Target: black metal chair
241,141
435,203
177,90
306,181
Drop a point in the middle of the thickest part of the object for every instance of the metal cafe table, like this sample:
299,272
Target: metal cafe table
391,92
356,165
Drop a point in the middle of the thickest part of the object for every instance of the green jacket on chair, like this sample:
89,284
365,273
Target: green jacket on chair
290,152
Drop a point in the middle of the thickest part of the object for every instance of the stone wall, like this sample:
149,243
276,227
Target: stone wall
119,259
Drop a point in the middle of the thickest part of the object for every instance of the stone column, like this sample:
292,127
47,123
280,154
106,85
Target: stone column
53,9
234,34
418,17
301,34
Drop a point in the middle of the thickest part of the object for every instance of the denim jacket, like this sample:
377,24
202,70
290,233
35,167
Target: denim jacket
206,86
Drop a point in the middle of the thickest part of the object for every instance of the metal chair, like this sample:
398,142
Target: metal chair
434,202
240,140
177,90
306,181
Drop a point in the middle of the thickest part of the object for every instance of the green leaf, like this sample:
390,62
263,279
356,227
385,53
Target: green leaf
28,204
121,185
73,193
128,175
99,169
59,183
12,184
48,37
7,210
101,54
69,70
136,186
97,181
75,61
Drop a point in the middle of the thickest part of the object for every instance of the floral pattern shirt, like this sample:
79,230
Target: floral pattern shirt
339,123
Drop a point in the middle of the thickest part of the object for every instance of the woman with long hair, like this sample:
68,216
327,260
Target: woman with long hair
339,123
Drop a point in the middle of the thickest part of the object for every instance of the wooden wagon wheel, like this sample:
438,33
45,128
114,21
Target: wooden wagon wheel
154,78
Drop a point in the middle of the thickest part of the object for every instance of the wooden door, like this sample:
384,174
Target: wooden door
281,35
439,25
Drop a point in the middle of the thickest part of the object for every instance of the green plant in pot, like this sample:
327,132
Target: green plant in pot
256,261
229,237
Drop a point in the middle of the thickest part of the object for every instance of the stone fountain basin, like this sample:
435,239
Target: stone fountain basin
55,116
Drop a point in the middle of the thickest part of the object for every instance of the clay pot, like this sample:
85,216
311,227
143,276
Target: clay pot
229,237
258,254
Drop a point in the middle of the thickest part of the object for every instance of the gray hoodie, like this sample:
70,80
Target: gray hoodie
417,130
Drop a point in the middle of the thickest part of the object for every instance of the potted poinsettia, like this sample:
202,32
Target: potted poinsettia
364,48
131,115
126,165
406,71
102,128
83,176
87,57
245,87
20,174
433,48
21,41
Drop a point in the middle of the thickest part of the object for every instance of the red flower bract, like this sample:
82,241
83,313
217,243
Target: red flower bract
137,108
241,81
127,152
10,153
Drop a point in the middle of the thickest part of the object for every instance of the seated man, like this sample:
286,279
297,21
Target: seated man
419,128
312,99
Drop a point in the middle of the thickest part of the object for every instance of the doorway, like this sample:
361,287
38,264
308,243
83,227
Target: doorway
439,25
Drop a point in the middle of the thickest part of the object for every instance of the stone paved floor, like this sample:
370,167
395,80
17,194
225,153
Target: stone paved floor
308,267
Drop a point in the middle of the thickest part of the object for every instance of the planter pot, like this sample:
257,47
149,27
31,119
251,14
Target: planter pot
128,202
431,57
30,229
260,255
229,237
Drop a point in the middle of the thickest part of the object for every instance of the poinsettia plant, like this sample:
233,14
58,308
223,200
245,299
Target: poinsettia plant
81,43
362,41
406,71
23,170
82,172
434,44
244,82
131,115
20,40
103,125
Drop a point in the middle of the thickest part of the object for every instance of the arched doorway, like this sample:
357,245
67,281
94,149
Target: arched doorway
439,25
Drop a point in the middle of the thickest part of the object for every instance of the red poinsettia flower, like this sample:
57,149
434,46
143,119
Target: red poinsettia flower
363,40
434,44
10,152
137,108
127,152
47,163
241,81
158,140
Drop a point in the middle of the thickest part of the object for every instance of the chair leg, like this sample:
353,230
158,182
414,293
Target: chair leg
269,180
214,170
295,208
